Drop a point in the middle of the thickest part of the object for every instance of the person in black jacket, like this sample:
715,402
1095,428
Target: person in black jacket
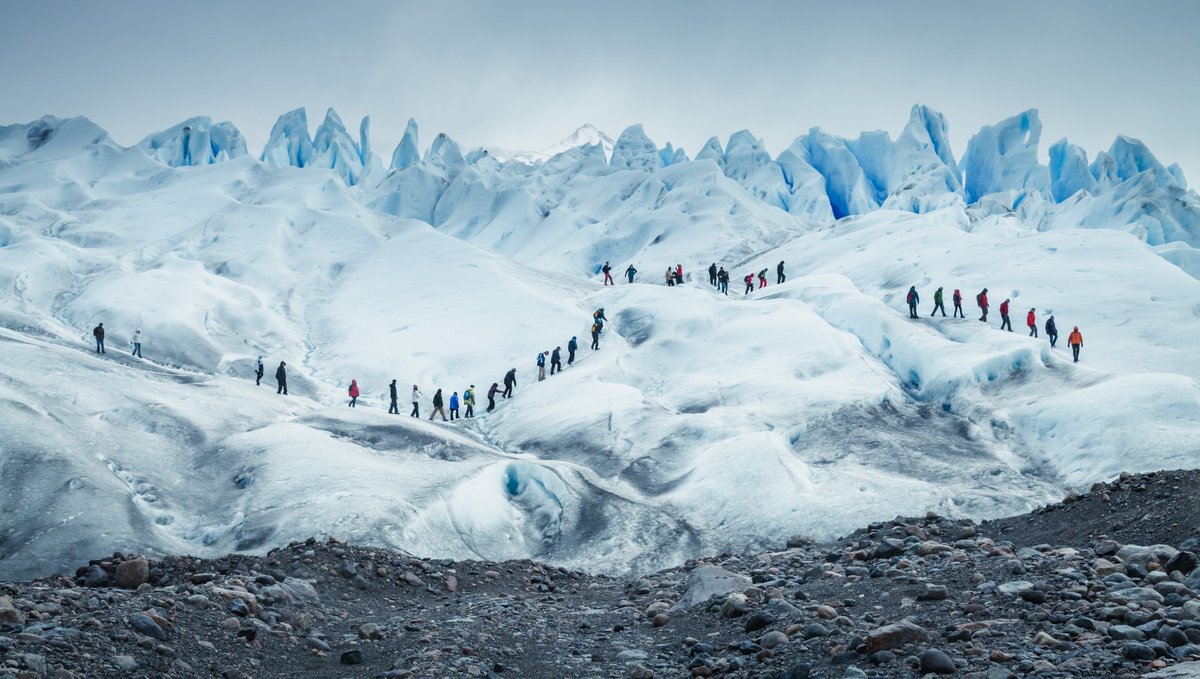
556,360
712,274
281,378
492,396
395,407
510,381
98,333
779,273
571,347
258,372
1051,331
437,406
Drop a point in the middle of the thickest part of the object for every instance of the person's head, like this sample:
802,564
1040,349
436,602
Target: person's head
546,352
1031,309
572,337
558,348
138,331
1052,317
282,363
393,381
260,358
1077,328
353,381
101,325
495,384
472,386
414,387
455,393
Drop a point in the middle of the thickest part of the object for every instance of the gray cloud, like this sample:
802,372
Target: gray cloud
524,74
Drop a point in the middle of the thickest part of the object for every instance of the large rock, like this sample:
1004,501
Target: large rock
894,635
706,582
11,616
1144,554
1184,562
1187,670
131,574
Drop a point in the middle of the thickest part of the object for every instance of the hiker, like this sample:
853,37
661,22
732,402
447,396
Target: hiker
630,273
556,360
938,303
762,279
353,393
599,317
1031,321
98,333
281,378
454,406
571,347
469,400
541,365
712,274
437,406
394,408
596,327
913,300
416,399
1004,320
510,381
749,279
259,370
780,277
1051,331
723,281
678,274
607,274
982,301
958,312
136,341
492,397
670,277
1075,339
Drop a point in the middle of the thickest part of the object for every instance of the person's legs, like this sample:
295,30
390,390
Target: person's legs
1075,352
571,357
491,404
470,410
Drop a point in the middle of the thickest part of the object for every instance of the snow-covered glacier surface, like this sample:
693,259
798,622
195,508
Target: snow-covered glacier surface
705,422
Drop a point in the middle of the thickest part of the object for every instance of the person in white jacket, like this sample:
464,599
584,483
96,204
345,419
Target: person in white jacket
136,341
416,398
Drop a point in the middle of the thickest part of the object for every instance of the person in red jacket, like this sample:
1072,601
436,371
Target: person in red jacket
749,282
981,300
1005,322
958,312
1031,321
353,393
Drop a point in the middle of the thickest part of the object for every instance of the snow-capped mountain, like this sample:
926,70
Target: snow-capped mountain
704,422
586,135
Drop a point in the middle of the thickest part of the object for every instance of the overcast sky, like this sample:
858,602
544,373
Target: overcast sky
524,74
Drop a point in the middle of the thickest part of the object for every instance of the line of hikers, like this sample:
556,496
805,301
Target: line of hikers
135,341
468,398
1074,339
718,277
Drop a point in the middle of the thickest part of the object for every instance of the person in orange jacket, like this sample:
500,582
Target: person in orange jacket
1031,321
353,392
1075,339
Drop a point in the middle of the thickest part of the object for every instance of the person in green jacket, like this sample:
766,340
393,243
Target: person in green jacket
938,304
469,400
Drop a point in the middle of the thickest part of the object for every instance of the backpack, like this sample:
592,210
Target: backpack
911,296
979,299
541,360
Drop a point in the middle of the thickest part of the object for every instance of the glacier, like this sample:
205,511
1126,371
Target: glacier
819,406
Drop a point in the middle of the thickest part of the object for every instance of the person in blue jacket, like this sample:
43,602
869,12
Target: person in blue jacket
571,347
541,365
454,406
556,360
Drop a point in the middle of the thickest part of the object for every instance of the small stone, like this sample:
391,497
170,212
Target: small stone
125,663
641,672
144,624
933,592
201,578
131,574
773,639
1184,562
451,584
370,632
1135,651
1044,639
889,547
352,657
826,612
936,662
814,630
412,580
896,634
734,606
95,576
11,616
660,620
758,620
